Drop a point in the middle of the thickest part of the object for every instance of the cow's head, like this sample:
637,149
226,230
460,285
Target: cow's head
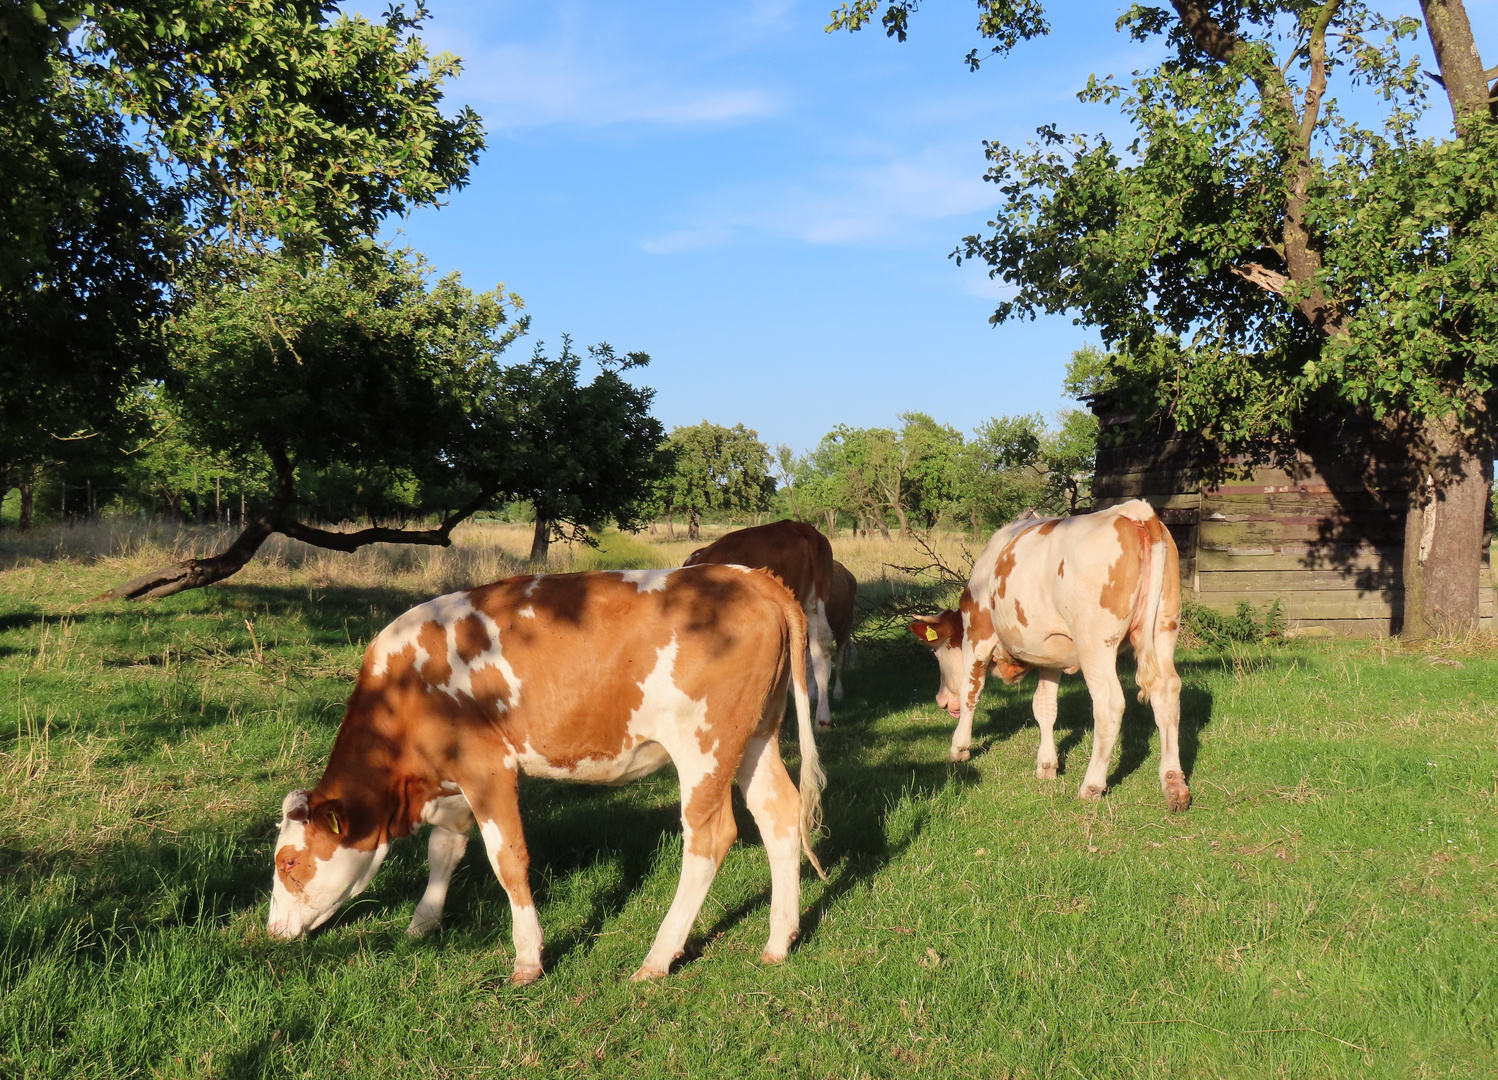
942,633
318,864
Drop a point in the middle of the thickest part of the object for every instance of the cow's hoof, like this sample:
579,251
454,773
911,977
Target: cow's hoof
824,725
768,957
645,974
1091,792
961,755
525,975
1045,772
1178,800
422,927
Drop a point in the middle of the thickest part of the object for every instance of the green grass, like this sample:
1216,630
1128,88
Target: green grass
1325,909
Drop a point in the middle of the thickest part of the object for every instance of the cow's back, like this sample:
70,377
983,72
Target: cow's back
1051,581
794,551
560,669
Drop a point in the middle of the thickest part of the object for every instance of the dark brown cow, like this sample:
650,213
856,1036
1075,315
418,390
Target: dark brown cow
800,556
600,677
1062,594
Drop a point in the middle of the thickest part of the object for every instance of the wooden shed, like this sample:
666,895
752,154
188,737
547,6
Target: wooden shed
1315,529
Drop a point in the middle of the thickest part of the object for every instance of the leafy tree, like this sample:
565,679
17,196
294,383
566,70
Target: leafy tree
142,143
356,365
714,470
1256,259
932,453
581,455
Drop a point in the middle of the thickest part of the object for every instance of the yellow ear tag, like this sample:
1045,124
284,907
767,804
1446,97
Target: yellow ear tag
931,635
333,821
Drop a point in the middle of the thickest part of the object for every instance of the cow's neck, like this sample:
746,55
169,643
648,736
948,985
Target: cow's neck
382,799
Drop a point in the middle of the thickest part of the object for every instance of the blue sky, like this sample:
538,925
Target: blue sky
764,208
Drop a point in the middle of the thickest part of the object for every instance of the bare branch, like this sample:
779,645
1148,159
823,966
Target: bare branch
1258,274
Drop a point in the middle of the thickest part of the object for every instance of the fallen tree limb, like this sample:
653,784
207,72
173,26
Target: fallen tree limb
196,573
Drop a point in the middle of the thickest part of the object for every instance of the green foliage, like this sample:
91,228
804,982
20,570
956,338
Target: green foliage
714,470
358,366
582,455
143,144
1244,627
1174,246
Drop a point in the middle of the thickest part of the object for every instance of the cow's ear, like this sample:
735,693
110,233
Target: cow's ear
294,806
929,630
332,816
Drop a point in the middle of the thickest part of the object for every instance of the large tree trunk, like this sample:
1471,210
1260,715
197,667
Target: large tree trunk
670,528
694,519
1444,528
540,541
25,486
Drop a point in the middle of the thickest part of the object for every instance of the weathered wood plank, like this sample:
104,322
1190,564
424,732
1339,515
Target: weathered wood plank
1301,503
1183,501
1308,605
1373,581
1338,532
1134,484
1290,557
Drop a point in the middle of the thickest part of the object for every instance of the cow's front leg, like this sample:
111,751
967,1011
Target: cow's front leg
1100,669
1047,761
496,805
445,850
971,691
451,819
708,832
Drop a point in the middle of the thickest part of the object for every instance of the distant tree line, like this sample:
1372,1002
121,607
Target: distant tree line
917,475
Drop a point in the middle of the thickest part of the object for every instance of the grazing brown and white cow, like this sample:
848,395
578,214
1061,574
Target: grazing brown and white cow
599,677
840,620
1061,594
801,557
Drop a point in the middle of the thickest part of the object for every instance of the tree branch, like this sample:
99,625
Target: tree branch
196,573
1259,274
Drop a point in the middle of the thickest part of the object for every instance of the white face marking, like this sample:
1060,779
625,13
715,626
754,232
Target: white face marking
336,879
447,612
647,580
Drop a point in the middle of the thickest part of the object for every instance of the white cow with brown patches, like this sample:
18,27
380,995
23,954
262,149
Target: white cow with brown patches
1059,595
600,677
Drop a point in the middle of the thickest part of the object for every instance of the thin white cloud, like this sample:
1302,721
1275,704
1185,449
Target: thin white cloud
879,204
516,87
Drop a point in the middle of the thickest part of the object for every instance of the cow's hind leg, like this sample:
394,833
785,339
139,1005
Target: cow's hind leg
708,831
1100,669
776,806
1165,701
496,805
819,644
1047,761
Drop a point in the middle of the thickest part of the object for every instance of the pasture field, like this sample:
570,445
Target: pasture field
1327,908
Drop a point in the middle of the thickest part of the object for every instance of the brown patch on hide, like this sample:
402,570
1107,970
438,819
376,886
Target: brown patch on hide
1123,576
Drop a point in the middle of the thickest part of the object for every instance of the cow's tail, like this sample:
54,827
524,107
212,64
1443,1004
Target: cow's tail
812,777
1153,534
